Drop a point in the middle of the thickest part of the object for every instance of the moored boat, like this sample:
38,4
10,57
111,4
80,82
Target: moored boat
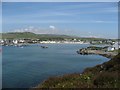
44,47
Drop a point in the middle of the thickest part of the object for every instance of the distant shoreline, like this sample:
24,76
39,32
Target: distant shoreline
32,38
102,52
22,44
65,43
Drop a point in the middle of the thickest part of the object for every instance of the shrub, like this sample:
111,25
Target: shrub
106,79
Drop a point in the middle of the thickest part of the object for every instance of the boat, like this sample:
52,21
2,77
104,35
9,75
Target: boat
44,47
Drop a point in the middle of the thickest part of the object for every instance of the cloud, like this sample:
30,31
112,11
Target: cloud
39,30
48,30
52,27
27,29
67,31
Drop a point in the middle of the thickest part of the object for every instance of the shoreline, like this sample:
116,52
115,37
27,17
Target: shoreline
85,51
43,43
107,55
98,76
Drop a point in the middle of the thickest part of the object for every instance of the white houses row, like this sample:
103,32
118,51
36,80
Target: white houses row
114,47
11,41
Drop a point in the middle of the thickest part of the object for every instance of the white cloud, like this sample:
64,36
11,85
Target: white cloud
52,27
38,30
67,31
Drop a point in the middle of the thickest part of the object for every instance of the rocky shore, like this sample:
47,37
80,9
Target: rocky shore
100,51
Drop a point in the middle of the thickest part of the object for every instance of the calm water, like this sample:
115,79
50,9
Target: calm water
29,66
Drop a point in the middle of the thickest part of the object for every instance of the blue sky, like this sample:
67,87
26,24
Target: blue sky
60,0
84,19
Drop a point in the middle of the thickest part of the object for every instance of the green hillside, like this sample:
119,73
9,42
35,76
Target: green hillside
105,75
29,35
18,35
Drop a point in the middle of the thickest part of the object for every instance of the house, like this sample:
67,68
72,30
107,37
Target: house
21,41
8,42
1,41
116,45
74,39
15,41
110,48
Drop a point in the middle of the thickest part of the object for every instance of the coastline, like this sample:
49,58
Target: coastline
20,44
98,76
102,52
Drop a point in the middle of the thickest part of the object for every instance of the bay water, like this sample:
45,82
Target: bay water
29,66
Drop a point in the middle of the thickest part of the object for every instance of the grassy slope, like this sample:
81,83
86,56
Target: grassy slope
100,76
17,35
29,35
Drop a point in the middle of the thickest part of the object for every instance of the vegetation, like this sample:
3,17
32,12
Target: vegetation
97,48
105,75
29,35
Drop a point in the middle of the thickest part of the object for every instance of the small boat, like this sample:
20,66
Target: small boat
21,46
44,47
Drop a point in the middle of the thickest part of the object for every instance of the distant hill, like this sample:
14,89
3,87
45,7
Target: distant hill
16,35
30,35
106,75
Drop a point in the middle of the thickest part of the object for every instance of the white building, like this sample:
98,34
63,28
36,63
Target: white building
116,45
1,41
15,41
111,48
21,41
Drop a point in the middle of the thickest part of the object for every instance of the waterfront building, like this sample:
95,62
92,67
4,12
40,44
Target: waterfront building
111,48
116,45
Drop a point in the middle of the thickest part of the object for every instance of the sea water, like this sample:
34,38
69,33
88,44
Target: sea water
29,66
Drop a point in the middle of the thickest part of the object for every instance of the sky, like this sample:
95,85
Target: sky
60,0
83,19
